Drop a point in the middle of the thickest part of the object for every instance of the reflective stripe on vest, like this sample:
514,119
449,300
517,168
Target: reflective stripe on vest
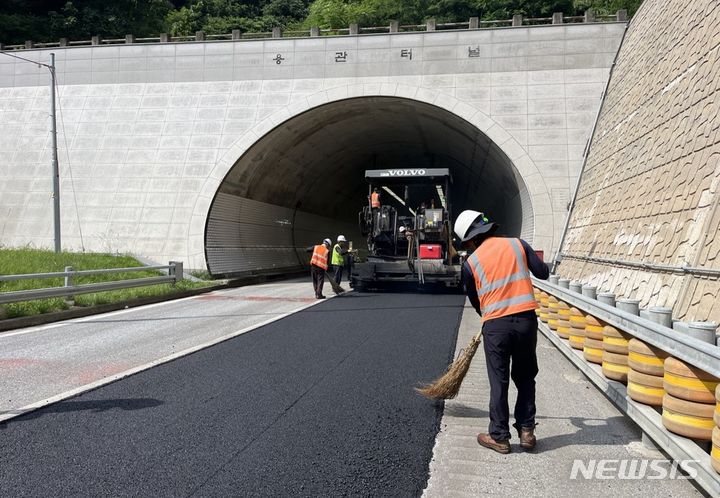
502,278
320,257
375,199
337,259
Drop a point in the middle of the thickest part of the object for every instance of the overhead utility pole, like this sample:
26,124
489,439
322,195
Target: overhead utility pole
53,121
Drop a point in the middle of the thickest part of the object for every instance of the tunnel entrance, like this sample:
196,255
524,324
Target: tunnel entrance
304,180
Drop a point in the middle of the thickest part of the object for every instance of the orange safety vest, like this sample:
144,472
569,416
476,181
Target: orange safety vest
320,256
502,278
375,199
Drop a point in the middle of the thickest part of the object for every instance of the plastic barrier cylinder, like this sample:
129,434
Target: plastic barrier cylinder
577,329
688,418
645,389
563,324
553,316
646,359
689,383
645,377
593,346
715,451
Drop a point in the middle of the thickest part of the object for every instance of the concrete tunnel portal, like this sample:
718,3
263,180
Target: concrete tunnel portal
304,180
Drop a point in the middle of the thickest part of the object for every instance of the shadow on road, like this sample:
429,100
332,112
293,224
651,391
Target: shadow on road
95,406
591,431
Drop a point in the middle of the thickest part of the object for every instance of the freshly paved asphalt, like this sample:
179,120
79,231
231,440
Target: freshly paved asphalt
316,404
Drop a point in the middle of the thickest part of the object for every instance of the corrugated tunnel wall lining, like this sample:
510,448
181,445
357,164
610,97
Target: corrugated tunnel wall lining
304,180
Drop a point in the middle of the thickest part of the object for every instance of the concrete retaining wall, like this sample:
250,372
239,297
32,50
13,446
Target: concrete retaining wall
650,190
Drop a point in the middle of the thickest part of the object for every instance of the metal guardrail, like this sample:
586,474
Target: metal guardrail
174,269
354,29
700,354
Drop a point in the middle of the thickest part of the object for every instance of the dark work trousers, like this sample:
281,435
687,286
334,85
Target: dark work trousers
318,276
511,339
338,273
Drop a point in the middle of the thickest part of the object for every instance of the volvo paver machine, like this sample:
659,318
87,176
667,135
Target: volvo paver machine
409,237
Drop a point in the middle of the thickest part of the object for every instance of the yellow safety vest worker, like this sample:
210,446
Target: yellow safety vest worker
502,278
320,256
375,200
337,259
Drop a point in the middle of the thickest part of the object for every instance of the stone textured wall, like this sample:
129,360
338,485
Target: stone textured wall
649,192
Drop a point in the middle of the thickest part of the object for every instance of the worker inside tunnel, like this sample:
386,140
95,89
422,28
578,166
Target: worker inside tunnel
305,180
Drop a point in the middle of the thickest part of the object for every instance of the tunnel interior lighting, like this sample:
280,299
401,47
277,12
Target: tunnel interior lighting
441,195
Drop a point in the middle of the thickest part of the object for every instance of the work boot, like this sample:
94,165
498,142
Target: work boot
320,296
527,437
500,446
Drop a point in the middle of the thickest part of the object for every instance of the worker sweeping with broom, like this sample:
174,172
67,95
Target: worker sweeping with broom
497,281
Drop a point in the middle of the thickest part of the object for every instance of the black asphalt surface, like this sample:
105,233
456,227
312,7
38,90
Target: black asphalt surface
320,403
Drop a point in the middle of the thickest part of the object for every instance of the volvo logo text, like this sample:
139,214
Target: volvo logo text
405,172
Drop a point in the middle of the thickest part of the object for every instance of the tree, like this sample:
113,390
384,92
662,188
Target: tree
341,13
608,7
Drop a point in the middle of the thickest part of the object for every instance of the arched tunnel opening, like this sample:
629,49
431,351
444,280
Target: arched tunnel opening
304,180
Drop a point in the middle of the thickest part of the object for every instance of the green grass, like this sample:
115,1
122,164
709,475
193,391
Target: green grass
28,260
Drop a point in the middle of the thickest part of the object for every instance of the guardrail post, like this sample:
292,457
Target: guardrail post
576,287
589,291
129,39
705,331
236,35
70,300
353,29
164,38
277,32
394,26
63,42
557,18
554,279
517,20
95,40
29,44
2,47
430,25
474,23
622,15
607,298
661,315
314,31
590,15
631,306
176,270
199,36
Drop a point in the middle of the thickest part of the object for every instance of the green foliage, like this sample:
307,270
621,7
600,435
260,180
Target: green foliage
82,19
44,20
222,16
28,260
608,7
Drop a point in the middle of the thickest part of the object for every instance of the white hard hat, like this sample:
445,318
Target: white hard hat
472,223
341,238
327,242
402,228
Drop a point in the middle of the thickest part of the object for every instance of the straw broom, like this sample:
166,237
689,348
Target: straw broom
447,386
335,286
